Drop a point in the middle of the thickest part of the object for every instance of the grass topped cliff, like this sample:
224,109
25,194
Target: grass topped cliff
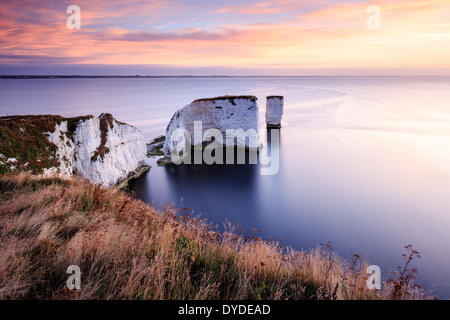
128,250
229,98
24,144
100,149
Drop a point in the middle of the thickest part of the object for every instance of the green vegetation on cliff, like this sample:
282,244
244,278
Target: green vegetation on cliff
24,142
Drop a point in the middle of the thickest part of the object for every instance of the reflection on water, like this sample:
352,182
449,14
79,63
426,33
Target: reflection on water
364,162
220,189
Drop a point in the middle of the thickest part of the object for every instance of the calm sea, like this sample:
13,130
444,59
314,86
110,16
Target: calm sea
364,162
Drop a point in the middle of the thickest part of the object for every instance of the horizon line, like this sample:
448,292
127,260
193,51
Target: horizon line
59,76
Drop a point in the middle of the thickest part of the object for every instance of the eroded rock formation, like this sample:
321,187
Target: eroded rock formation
274,111
232,115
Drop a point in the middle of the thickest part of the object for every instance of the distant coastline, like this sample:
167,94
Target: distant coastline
100,76
175,77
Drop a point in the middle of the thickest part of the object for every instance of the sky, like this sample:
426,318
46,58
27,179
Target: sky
234,37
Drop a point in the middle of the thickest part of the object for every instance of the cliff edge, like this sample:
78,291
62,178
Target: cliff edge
101,149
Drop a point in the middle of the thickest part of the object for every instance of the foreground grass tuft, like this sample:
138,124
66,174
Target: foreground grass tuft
128,250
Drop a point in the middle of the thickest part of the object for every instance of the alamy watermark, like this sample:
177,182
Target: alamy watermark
74,280
374,280
374,20
73,22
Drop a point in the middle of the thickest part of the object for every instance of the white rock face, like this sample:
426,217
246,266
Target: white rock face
65,152
124,150
226,114
274,111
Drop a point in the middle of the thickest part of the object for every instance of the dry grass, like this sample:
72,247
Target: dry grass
128,250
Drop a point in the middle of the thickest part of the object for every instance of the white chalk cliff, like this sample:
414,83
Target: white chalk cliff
232,115
274,111
102,150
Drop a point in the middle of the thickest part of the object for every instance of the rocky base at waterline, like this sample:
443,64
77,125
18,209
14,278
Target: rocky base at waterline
154,148
101,149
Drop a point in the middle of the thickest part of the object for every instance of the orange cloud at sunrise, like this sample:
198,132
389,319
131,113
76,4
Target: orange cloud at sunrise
282,35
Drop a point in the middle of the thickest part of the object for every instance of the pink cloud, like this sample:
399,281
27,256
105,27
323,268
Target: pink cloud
327,34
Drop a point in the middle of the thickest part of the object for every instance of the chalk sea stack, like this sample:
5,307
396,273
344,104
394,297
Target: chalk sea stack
239,113
274,111
101,149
